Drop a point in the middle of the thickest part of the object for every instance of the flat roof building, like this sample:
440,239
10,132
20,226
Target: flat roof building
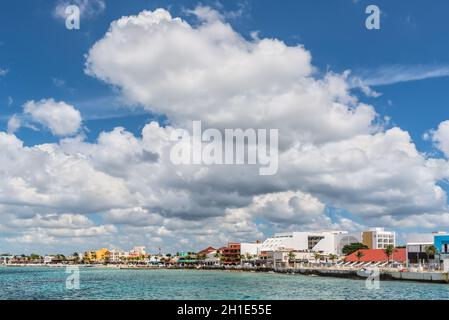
327,242
250,249
378,238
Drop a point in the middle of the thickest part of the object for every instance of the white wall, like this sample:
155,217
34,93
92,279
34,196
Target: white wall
299,241
250,248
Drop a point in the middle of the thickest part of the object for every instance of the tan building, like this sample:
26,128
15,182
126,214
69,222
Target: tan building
378,238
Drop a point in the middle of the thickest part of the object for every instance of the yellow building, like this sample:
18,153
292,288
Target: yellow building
96,256
102,254
90,256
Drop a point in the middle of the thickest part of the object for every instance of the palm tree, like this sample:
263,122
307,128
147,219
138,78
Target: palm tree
359,255
389,251
430,251
317,256
291,256
219,256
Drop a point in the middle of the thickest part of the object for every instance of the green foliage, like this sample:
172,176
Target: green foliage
389,251
431,251
333,257
34,256
353,247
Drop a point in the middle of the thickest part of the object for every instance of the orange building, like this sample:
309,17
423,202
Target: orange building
231,254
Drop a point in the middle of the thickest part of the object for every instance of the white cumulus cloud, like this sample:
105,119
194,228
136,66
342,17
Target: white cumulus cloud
61,118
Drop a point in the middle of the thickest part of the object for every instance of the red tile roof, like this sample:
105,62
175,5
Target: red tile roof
376,255
207,250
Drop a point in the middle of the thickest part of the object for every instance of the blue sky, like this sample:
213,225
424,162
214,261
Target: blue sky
406,62
39,52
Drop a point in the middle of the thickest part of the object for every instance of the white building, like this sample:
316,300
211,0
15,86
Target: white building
117,255
5,259
212,259
378,238
327,242
416,252
281,258
250,249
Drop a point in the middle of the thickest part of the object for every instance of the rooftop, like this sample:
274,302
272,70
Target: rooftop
378,255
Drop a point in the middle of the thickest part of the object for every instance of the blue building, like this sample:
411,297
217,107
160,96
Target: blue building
441,243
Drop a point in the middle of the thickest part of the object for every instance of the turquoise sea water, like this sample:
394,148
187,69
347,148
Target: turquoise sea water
97,283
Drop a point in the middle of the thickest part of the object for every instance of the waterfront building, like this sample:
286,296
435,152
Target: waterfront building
187,258
327,242
5,259
416,252
117,256
286,257
90,256
212,258
48,259
231,254
137,253
441,243
209,256
250,249
378,238
102,255
154,259
206,251
378,256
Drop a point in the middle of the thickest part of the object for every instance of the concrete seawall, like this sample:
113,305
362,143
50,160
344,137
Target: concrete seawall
434,277
438,277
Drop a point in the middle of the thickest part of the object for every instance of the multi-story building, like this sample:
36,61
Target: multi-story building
378,238
231,254
90,256
327,242
250,249
416,252
102,255
117,256
441,242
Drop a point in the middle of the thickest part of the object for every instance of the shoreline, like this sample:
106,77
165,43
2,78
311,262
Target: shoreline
354,274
